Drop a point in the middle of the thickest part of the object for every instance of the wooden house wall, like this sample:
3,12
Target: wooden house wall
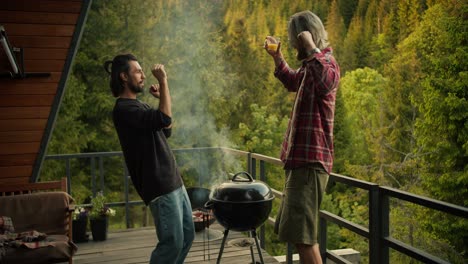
47,31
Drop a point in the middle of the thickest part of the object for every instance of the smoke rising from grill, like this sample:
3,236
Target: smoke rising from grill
198,85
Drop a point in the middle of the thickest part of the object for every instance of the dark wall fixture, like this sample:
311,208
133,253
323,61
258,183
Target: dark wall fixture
13,54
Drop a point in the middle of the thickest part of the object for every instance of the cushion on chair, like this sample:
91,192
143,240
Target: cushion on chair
45,212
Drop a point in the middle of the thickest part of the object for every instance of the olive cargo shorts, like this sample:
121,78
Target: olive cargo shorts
297,220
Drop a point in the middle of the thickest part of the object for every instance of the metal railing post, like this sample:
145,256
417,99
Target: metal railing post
68,172
199,169
262,228
249,163
127,207
252,166
385,226
262,171
93,176
322,239
375,225
101,173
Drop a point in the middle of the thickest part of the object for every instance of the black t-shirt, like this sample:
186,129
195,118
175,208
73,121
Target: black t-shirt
143,138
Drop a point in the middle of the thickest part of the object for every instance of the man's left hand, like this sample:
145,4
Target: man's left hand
154,90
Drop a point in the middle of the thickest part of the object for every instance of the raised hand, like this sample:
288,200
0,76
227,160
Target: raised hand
270,44
155,90
159,72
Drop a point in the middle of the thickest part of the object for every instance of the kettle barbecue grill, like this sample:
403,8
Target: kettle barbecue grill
241,205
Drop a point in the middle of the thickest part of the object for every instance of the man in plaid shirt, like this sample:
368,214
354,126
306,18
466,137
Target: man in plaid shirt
307,149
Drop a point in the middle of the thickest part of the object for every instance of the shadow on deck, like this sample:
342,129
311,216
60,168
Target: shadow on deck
135,246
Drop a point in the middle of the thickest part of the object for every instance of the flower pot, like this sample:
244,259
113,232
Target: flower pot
99,228
79,230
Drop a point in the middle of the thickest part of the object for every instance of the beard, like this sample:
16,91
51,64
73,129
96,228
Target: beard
135,88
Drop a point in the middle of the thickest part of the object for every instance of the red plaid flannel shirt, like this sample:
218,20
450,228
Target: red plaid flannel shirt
312,131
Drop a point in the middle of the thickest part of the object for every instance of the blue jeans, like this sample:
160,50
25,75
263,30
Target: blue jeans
172,214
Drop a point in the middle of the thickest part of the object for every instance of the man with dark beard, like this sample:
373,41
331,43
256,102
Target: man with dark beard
307,149
143,133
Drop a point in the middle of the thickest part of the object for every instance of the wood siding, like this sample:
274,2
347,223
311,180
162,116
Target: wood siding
46,30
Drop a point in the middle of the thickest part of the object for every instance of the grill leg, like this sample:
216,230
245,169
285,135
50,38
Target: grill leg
226,232
254,234
204,246
252,255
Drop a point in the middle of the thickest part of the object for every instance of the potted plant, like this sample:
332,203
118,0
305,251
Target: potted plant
99,217
80,223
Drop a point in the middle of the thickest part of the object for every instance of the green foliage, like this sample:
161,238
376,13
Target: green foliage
336,28
364,107
264,135
443,57
70,134
347,9
380,51
355,54
428,230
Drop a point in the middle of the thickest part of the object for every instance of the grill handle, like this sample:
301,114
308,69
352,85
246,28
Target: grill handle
209,204
234,178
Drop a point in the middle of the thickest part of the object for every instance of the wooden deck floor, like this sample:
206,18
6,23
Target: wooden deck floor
135,246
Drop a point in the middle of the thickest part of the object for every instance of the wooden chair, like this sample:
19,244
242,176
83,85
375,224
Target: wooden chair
30,188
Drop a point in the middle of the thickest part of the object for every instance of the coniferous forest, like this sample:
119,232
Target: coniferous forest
401,113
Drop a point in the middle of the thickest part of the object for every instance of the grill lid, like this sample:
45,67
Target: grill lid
241,190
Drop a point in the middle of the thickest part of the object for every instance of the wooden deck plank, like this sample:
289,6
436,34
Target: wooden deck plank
134,246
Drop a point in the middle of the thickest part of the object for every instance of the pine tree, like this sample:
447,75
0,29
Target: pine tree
335,28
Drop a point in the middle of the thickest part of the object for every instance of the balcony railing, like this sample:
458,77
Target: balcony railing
377,231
